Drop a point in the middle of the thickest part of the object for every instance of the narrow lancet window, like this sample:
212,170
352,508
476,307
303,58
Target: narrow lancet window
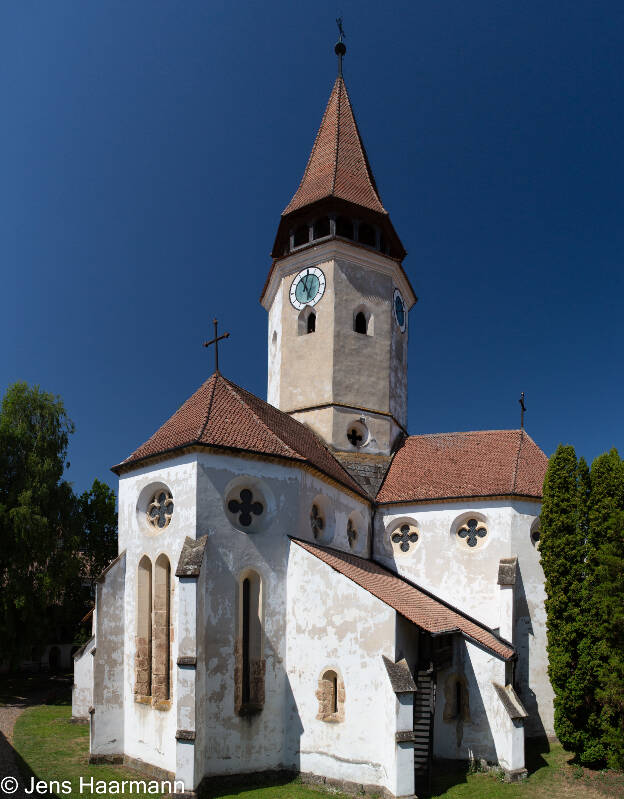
143,641
161,631
250,665
312,322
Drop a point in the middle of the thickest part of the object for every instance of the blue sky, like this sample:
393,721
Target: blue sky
148,148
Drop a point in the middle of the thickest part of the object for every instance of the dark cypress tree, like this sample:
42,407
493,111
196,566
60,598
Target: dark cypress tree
563,522
603,657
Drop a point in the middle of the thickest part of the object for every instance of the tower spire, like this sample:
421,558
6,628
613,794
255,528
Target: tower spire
340,48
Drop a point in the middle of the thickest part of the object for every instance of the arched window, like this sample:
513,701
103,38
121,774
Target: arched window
360,323
250,665
321,228
306,322
344,227
302,235
161,630
331,697
312,322
143,640
366,235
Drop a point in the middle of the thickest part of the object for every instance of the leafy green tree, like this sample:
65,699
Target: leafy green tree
563,525
38,514
50,540
98,520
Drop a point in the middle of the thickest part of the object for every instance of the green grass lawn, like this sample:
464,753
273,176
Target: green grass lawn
51,747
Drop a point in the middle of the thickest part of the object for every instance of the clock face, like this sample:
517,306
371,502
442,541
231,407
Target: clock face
307,288
400,314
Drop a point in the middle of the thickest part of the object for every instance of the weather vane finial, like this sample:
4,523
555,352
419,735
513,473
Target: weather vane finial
340,48
217,338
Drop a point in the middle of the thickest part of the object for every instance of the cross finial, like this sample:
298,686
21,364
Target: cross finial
217,338
522,410
340,48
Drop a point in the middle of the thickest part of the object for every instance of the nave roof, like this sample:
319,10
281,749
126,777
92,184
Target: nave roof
417,605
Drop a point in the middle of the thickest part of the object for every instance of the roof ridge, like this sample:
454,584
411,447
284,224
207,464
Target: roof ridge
216,376
514,478
340,84
464,432
297,455
234,389
369,172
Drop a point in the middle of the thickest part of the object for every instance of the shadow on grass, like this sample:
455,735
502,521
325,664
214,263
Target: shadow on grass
534,751
215,787
31,689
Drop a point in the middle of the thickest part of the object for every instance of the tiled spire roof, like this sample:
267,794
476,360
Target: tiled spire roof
481,463
222,415
338,165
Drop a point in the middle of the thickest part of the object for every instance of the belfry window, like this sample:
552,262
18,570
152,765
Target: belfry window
366,235
250,666
360,323
312,322
321,228
344,227
302,235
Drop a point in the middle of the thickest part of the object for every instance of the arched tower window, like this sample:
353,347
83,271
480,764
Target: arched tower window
143,639
250,665
366,234
312,322
306,322
161,630
344,227
360,323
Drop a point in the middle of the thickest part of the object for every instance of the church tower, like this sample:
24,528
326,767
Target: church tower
338,298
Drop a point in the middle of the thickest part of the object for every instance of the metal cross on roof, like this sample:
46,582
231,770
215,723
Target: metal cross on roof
217,338
522,410
340,48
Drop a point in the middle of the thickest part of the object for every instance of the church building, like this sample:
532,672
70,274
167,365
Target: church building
301,585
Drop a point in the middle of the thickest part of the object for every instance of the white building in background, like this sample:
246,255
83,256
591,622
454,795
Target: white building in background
301,585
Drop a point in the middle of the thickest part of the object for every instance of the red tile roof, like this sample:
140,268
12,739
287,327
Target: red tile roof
416,605
338,165
223,415
476,464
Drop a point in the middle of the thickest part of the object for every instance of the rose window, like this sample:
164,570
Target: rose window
404,537
472,531
160,509
245,507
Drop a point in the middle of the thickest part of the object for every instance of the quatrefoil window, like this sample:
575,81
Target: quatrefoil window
160,509
245,508
472,531
317,522
404,537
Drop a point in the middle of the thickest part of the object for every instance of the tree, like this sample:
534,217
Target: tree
98,521
604,592
582,524
563,524
43,525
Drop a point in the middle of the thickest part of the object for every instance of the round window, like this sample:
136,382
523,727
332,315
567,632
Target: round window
160,509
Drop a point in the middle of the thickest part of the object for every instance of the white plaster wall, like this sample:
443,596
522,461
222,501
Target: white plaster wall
467,578
82,691
486,735
531,678
275,350
234,744
335,624
150,733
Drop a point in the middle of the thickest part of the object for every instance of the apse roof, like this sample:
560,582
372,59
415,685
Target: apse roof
222,415
338,165
418,606
472,464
